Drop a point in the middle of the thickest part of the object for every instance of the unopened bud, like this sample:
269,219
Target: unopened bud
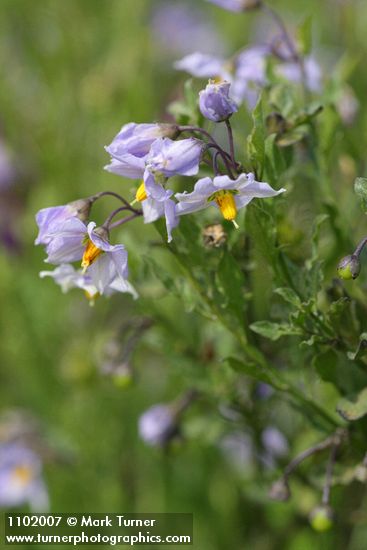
158,426
280,490
275,123
321,518
169,130
349,267
123,375
82,207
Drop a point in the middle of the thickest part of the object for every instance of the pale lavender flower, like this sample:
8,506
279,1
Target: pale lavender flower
157,425
66,242
291,71
170,158
226,194
157,203
73,241
136,139
21,479
126,165
236,5
215,103
67,277
48,219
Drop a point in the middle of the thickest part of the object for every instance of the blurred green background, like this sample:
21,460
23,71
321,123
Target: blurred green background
74,71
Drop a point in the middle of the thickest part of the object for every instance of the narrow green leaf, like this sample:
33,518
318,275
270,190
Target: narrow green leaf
274,331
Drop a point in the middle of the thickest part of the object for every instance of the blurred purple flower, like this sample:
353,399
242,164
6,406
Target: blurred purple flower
157,425
347,105
8,171
275,443
291,71
182,28
215,103
21,479
202,65
236,5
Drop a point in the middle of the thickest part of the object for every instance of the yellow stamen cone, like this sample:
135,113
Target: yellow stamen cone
141,193
227,205
91,253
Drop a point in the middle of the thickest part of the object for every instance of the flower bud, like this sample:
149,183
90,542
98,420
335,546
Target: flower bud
215,103
280,490
168,130
321,518
349,267
81,208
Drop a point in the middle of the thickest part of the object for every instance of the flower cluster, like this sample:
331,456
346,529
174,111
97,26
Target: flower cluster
153,154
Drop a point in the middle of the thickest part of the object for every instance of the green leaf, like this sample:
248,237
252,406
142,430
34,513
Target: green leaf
266,375
275,164
290,296
354,407
360,188
256,140
304,36
230,282
291,137
274,331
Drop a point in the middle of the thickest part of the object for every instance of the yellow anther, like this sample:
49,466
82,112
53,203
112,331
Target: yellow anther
141,193
91,297
91,253
227,204
23,474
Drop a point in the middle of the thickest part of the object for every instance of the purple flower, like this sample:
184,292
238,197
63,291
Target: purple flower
237,5
48,219
126,165
136,139
73,241
157,425
202,65
215,103
169,158
21,479
66,242
226,194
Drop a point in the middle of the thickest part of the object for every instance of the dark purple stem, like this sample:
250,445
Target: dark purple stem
136,214
231,143
112,194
